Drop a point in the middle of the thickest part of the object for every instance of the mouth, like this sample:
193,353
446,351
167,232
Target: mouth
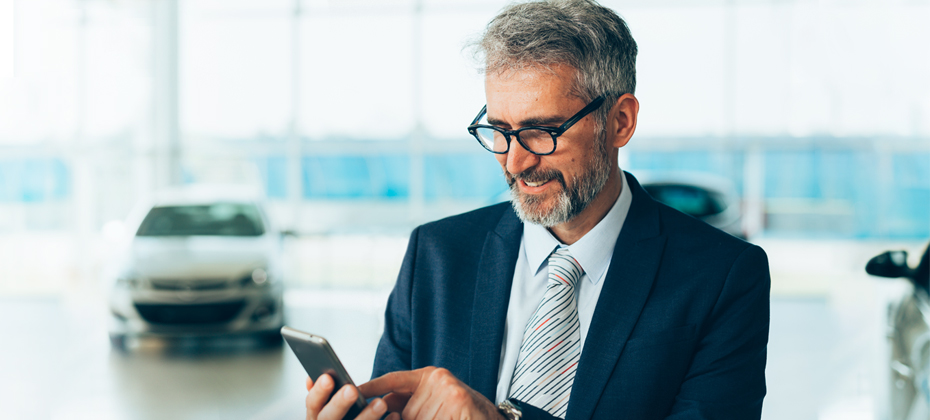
535,184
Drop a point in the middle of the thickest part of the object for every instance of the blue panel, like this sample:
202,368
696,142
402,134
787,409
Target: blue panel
336,177
791,174
836,173
275,170
34,177
395,175
187,177
862,179
912,170
909,211
61,179
33,180
900,208
471,176
6,182
728,165
342,177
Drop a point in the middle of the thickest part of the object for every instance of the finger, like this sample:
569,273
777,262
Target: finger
396,401
430,410
318,395
418,406
401,381
373,411
393,416
412,409
423,406
339,405
309,383
432,394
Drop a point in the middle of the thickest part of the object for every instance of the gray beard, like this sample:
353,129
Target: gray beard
570,201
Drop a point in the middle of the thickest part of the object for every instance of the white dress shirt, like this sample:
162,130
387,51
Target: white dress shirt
593,251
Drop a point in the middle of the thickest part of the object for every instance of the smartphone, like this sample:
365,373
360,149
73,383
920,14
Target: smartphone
318,357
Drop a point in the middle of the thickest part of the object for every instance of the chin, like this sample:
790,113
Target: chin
545,211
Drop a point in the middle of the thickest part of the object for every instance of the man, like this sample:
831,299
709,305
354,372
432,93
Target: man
583,298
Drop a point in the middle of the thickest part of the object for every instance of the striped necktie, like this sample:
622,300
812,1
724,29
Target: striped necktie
551,345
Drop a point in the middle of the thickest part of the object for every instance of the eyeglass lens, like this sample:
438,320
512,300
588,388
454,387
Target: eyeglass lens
538,141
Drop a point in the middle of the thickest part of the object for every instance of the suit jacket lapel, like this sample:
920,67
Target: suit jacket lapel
492,296
629,279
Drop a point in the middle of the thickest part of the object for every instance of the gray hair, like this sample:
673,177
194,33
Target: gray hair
590,38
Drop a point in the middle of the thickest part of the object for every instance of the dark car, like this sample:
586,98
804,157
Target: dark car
706,197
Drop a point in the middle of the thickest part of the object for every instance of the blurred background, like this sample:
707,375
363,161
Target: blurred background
808,119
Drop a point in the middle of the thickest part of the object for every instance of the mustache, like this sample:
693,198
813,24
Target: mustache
535,175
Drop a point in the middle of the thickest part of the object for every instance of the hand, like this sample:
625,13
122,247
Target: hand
430,393
336,409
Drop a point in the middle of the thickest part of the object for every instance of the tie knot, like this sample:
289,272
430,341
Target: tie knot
563,268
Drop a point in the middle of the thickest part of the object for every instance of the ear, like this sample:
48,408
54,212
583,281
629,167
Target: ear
622,120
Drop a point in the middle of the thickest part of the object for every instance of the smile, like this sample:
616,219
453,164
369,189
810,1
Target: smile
536,181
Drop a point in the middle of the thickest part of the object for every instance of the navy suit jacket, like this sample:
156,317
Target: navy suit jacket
679,331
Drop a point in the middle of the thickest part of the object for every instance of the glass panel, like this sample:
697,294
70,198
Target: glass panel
76,80
235,71
357,76
452,86
475,176
352,177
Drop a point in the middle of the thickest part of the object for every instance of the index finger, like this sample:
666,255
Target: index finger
405,382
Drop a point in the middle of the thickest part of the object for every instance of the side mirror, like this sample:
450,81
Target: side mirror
891,264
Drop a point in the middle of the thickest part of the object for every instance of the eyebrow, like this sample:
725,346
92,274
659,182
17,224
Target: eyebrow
529,122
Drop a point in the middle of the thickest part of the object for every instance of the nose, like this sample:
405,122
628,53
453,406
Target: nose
518,159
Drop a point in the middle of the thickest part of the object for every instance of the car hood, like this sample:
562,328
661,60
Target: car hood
198,257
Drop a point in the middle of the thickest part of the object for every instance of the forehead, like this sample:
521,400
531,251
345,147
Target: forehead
515,95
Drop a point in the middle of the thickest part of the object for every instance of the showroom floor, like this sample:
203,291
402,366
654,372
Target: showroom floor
826,355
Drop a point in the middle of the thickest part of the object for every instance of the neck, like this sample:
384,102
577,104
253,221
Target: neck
573,230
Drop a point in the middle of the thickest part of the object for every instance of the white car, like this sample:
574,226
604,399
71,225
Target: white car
909,334
198,264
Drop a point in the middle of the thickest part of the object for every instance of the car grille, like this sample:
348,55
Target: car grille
210,313
204,284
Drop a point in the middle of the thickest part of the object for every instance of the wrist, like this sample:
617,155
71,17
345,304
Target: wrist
510,409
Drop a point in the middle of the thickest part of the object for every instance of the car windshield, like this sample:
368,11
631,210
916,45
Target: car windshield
220,219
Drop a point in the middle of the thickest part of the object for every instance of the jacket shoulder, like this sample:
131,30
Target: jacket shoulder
689,232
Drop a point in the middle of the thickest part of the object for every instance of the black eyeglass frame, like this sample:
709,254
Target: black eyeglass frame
555,132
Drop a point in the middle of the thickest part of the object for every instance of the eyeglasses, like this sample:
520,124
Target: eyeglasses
537,140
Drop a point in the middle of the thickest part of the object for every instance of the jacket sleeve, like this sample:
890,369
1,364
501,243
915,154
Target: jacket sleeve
726,379
394,349
532,413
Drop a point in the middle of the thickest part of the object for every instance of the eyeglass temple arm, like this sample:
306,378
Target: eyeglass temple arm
480,114
581,114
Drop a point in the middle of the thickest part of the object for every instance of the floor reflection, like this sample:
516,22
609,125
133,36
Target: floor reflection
198,379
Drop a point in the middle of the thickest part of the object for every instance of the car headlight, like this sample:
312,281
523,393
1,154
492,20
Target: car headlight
258,277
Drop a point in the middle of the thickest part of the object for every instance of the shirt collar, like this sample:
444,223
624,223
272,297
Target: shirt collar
594,250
